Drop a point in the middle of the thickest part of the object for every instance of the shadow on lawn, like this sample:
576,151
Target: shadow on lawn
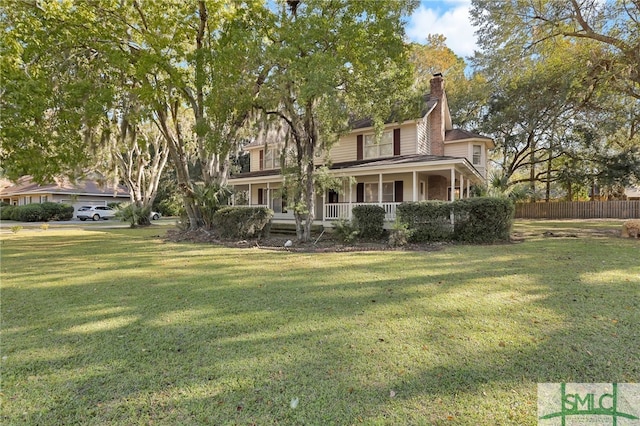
193,334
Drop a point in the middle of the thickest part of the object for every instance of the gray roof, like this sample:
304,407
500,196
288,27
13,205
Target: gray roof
26,185
459,134
395,160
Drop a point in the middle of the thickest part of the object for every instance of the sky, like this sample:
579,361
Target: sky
448,17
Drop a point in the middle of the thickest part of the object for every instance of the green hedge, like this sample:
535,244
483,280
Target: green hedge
30,213
37,212
483,219
369,221
242,222
427,221
477,220
6,212
57,211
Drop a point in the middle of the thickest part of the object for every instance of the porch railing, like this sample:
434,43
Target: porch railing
335,211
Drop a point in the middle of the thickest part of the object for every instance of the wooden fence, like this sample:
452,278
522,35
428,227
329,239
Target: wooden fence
579,210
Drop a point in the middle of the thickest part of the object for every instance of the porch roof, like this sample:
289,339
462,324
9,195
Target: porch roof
387,162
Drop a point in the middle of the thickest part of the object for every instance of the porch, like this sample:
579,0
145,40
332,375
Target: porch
336,211
443,180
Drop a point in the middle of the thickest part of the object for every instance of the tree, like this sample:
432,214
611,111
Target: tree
584,84
194,68
465,95
53,95
515,26
331,59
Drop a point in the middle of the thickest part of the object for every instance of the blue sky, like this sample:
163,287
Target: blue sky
448,17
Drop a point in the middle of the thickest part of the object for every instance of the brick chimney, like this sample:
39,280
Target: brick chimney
437,116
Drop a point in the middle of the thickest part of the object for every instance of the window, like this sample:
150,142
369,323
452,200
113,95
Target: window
44,198
269,158
477,155
371,192
382,149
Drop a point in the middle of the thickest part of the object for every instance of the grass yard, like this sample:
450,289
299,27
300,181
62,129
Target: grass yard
115,326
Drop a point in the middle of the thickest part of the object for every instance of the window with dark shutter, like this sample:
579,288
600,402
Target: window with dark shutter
396,141
261,160
399,188
359,148
260,195
360,193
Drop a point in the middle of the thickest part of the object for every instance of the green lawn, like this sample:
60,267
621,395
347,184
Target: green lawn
115,326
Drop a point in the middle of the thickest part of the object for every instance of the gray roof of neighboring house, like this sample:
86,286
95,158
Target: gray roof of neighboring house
26,185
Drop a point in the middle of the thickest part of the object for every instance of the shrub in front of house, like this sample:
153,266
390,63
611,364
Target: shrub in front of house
345,231
7,211
57,211
30,213
427,221
483,219
67,212
369,221
242,222
135,215
478,220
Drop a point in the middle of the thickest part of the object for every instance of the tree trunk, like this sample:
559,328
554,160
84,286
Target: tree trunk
548,189
532,167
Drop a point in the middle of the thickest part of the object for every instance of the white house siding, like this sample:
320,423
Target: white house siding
458,150
254,160
423,132
345,149
408,139
465,149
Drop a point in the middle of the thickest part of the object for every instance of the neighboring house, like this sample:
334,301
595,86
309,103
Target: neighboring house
632,193
416,160
82,193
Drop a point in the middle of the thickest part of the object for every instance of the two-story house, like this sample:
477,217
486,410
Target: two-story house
416,160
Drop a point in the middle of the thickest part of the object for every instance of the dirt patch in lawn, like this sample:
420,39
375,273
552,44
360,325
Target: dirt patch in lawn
564,232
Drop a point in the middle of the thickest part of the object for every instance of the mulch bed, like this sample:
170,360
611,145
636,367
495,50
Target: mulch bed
276,242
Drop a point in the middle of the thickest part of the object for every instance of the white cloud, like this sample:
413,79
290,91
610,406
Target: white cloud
454,23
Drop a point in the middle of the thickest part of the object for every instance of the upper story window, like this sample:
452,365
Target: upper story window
477,155
269,158
384,148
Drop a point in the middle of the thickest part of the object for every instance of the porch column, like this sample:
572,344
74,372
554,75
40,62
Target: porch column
453,194
324,204
468,188
268,195
249,194
462,186
453,184
380,188
350,196
415,186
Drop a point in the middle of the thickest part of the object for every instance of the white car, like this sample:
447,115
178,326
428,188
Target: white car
155,215
95,213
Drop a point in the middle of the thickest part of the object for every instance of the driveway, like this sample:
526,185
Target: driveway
5,225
